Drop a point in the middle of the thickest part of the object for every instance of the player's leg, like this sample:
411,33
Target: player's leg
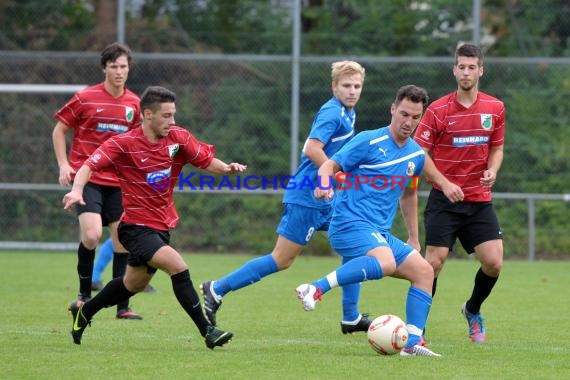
442,221
295,230
104,257
414,268
255,269
436,257
91,231
372,260
91,227
490,255
352,320
114,292
482,235
120,257
170,261
248,274
112,211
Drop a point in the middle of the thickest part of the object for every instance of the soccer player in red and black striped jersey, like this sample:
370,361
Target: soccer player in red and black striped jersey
463,132
148,161
95,114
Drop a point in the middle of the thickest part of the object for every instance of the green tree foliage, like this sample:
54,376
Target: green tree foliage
43,25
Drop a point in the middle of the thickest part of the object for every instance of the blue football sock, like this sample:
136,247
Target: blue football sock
418,305
249,273
359,269
104,257
350,297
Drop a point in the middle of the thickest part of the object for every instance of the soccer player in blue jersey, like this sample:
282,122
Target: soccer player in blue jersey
303,215
380,168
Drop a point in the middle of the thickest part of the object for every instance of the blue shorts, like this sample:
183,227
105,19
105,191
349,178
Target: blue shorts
357,241
299,223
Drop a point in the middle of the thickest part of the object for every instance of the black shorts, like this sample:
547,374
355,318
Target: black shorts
142,243
472,223
103,200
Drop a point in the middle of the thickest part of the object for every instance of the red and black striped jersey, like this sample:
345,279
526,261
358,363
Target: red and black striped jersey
95,116
148,172
459,139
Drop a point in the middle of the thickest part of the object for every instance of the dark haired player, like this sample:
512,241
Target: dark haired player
463,132
148,161
95,114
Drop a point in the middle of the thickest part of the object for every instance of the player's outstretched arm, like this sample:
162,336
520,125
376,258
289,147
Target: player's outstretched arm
219,167
76,193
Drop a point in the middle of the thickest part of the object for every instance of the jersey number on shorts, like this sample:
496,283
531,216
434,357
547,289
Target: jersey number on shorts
379,237
310,234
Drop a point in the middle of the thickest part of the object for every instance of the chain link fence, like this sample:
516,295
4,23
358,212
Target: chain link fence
242,104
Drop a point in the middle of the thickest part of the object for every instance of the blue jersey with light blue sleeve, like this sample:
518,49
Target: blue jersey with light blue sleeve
378,171
333,126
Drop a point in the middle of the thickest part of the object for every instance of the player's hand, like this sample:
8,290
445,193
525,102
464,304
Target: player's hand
65,173
235,167
415,243
325,194
452,192
72,198
489,178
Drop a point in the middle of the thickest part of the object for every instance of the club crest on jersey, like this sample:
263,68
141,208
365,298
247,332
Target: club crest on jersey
486,121
129,113
172,150
411,169
426,135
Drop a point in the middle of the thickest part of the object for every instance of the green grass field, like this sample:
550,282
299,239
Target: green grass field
527,324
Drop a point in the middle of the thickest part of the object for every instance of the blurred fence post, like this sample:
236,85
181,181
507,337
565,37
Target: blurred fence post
295,88
531,229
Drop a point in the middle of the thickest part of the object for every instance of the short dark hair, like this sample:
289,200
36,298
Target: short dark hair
413,93
153,96
469,50
113,51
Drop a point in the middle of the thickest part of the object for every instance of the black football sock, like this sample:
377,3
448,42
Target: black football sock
434,287
85,260
112,294
481,290
189,300
119,268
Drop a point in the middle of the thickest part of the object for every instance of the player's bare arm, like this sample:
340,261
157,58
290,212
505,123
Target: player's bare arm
493,165
450,190
326,171
76,193
409,210
313,149
60,150
219,167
